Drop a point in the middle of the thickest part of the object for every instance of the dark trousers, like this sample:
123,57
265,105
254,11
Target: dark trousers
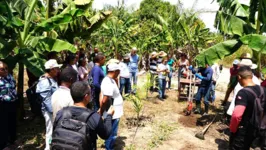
243,138
125,84
8,116
96,98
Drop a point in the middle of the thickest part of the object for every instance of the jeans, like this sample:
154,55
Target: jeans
203,91
109,143
243,138
212,93
8,125
134,79
162,86
170,78
49,129
125,84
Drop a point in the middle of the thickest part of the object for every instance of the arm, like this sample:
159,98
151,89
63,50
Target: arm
44,88
209,76
103,103
96,79
236,117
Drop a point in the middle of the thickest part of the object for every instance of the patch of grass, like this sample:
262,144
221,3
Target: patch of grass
130,147
160,134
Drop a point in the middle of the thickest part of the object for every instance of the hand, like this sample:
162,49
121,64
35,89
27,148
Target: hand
111,110
199,76
190,67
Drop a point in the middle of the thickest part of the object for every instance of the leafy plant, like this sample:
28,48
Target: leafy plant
137,104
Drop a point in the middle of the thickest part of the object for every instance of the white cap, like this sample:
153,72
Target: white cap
52,63
236,62
248,62
113,67
134,49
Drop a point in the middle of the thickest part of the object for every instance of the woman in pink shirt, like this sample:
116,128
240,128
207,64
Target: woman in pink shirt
82,70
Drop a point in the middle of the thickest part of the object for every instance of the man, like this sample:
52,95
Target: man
125,76
244,62
215,77
233,80
95,125
244,128
94,54
8,107
97,76
61,97
111,96
133,65
204,88
46,86
153,71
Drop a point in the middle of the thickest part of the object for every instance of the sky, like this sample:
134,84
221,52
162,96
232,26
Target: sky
206,8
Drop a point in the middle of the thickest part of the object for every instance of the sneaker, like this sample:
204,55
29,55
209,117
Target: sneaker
205,114
196,111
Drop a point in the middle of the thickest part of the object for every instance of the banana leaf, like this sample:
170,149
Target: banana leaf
255,41
217,52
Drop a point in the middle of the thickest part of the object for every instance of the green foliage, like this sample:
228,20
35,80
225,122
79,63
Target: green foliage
137,104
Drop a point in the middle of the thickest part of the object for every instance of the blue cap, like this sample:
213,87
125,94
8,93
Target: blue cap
236,62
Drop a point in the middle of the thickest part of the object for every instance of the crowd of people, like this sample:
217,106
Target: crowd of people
83,97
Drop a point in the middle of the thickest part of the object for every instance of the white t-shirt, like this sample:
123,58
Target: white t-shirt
236,90
61,98
124,70
162,75
216,72
110,88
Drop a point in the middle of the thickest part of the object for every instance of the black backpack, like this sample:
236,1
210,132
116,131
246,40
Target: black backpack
35,99
258,118
71,132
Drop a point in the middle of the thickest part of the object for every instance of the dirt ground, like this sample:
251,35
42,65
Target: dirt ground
162,126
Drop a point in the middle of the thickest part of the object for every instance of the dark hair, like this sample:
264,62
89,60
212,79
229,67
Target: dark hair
68,74
47,70
70,58
81,59
245,72
98,58
78,91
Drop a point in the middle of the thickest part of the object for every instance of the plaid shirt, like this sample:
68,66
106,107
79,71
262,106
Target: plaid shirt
8,91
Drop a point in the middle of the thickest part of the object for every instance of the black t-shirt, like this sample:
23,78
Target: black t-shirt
246,98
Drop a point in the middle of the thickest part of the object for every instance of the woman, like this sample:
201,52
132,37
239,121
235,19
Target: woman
82,69
183,65
163,70
171,63
8,107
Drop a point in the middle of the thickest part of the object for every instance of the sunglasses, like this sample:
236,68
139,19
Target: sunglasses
3,69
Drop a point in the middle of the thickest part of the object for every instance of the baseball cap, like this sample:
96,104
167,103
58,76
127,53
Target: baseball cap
248,62
236,62
52,63
113,67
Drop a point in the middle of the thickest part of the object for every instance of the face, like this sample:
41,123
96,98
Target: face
240,80
117,72
55,72
3,70
102,62
96,50
84,63
165,61
133,52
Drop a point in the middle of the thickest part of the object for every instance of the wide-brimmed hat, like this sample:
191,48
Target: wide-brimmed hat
248,62
162,54
52,63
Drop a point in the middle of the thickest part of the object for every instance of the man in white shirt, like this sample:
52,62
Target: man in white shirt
125,76
111,96
215,77
62,97
244,62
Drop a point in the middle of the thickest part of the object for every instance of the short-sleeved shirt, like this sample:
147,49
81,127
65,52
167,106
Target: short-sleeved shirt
109,88
171,63
162,75
61,98
245,98
134,63
124,70
8,91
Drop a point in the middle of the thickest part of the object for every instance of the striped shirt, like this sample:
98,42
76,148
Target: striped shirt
153,66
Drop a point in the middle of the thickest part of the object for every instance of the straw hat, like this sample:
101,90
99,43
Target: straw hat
162,54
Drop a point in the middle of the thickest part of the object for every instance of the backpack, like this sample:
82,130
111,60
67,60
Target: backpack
258,118
71,132
35,99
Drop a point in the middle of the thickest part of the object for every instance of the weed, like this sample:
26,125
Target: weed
161,133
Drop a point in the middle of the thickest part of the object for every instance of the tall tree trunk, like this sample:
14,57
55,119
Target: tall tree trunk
20,90
49,10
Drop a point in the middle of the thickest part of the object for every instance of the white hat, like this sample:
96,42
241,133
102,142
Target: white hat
113,67
111,61
134,49
236,62
52,63
154,53
248,62
162,54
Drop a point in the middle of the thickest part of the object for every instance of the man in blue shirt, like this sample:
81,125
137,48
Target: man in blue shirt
204,88
133,66
46,86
